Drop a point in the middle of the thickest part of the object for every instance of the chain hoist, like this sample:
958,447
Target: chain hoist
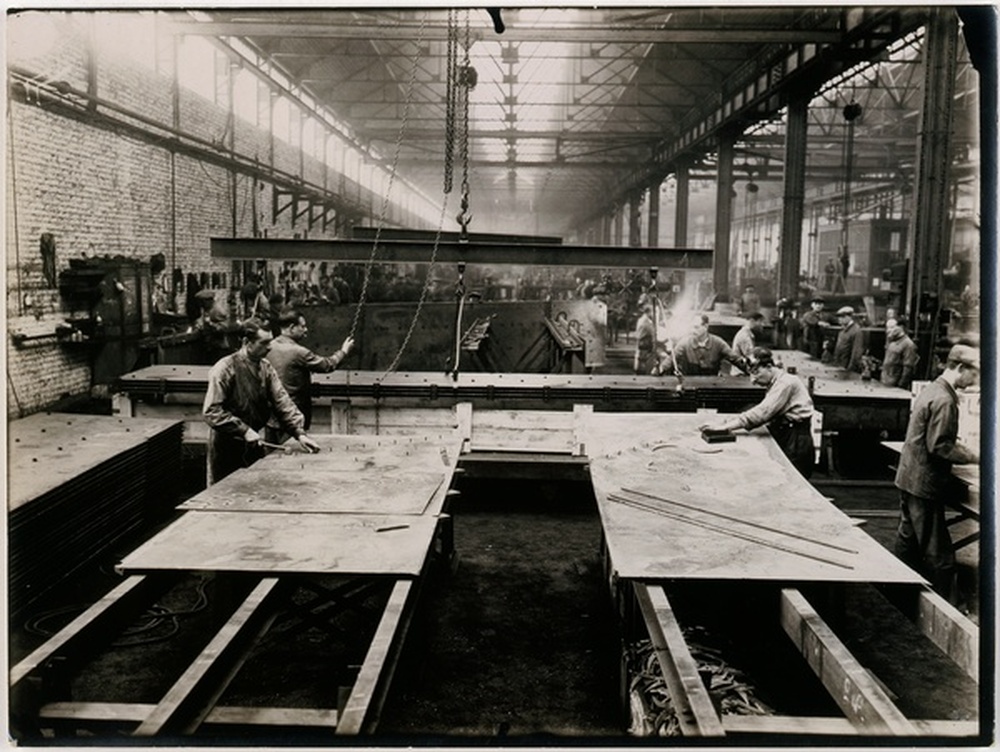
451,66
467,82
362,298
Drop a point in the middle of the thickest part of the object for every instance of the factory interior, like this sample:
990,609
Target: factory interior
536,376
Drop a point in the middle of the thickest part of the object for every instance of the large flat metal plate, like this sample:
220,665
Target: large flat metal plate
48,450
318,490
276,543
748,480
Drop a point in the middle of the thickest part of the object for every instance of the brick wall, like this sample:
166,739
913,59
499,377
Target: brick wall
102,193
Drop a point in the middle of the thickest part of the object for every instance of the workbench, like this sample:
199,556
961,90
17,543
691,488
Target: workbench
367,401
677,511
358,523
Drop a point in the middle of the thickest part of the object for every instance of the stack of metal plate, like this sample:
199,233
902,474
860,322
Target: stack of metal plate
77,484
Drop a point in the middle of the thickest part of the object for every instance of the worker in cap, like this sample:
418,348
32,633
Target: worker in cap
243,392
786,410
924,476
813,322
746,340
850,345
900,361
701,353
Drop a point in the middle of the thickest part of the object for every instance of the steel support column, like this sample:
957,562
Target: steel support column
618,222
653,234
930,236
683,177
634,220
790,247
723,214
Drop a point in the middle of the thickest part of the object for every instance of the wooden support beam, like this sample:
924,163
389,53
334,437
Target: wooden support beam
850,685
414,251
184,706
361,711
135,712
695,711
941,623
95,624
821,726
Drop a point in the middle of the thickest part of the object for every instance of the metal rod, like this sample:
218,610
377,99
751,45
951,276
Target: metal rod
741,520
723,530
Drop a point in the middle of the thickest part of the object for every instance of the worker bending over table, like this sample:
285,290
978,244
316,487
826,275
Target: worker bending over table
243,391
924,475
786,410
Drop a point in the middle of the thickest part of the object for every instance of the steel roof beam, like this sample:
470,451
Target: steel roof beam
547,33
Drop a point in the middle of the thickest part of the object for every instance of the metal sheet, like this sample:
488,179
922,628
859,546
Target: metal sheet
269,543
749,479
343,492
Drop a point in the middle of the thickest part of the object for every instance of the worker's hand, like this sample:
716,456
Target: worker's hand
251,436
346,347
308,443
713,427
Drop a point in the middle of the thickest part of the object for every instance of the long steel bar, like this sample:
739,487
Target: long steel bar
733,518
723,530
409,251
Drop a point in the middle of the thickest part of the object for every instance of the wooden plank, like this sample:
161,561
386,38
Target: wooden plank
821,726
136,712
694,707
662,454
281,543
950,630
850,685
213,669
360,711
581,416
97,622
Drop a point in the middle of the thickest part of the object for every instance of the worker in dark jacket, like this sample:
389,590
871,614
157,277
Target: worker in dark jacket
786,410
850,345
243,391
702,353
295,363
901,357
813,322
924,476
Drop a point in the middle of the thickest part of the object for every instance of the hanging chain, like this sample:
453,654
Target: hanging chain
467,80
392,179
423,292
449,101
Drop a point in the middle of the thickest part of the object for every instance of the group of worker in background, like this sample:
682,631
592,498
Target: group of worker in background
259,396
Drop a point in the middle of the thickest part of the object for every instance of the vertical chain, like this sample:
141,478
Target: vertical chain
449,102
423,292
392,179
468,82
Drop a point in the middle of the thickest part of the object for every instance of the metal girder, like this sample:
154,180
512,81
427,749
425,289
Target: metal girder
407,251
761,87
547,33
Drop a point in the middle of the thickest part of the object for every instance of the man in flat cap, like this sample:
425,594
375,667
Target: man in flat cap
900,361
786,410
850,345
812,327
924,476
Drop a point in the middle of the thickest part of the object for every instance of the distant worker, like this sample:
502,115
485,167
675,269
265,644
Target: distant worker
786,410
749,301
900,362
701,353
645,338
295,363
924,476
243,392
746,339
812,328
850,345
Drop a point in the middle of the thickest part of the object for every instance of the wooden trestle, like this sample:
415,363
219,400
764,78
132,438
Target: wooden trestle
673,509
